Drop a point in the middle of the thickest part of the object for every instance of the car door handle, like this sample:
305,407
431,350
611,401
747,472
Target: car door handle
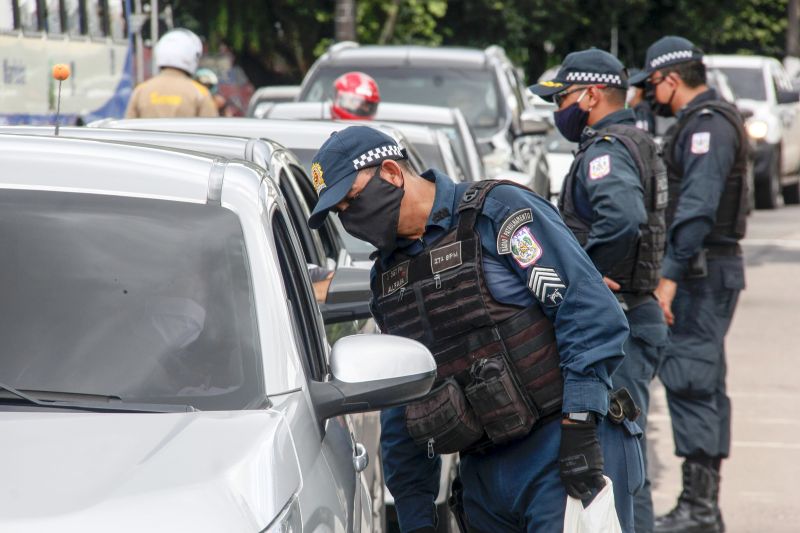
360,457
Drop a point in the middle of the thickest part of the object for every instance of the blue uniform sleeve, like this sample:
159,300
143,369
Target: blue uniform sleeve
542,263
412,477
706,152
610,179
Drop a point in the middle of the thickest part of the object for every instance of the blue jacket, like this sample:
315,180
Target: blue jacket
706,165
590,327
608,195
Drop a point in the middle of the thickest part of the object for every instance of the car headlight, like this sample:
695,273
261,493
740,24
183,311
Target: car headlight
757,129
288,520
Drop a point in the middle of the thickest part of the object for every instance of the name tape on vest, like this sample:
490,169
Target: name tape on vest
395,278
446,257
509,227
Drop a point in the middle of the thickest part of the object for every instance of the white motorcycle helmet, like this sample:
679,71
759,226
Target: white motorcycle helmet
179,48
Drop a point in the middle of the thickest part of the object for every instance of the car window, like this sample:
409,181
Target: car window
327,233
512,82
301,302
148,300
473,91
298,215
746,82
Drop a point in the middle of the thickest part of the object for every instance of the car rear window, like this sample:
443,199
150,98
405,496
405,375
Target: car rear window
473,91
148,300
746,82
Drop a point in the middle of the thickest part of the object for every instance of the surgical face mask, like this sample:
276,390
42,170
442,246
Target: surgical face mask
374,214
571,120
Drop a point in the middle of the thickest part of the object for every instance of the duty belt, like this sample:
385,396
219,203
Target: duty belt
722,250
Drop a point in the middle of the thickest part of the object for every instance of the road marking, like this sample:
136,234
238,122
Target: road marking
782,243
766,444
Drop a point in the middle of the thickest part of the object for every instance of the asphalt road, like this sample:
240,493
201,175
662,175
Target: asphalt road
761,480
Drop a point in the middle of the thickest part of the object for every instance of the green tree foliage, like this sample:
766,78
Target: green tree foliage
285,36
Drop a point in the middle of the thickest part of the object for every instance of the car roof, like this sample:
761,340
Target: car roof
733,60
394,56
221,145
295,134
119,169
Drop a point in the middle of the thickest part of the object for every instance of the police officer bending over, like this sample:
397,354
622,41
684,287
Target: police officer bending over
613,200
524,332
703,272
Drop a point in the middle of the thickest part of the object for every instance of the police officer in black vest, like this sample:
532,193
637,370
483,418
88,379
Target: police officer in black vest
706,156
613,200
525,334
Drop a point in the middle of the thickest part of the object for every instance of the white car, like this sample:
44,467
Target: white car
763,88
164,366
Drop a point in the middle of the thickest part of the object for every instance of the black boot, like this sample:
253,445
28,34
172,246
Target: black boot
716,467
697,510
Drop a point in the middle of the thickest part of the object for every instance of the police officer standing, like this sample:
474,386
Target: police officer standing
640,103
706,155
173,92
525,334
613,200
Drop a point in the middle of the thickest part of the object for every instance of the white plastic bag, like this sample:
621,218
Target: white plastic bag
599,517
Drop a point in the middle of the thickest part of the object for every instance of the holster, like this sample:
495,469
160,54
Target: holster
698,266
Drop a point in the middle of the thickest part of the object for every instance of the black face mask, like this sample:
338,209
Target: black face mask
570,121
662,110
373,215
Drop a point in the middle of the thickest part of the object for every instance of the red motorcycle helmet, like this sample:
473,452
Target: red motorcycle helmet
355,97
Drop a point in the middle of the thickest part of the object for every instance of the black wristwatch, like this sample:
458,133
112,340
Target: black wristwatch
584,417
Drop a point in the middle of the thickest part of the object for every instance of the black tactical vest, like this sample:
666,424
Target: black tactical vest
640,270
731,217
497,364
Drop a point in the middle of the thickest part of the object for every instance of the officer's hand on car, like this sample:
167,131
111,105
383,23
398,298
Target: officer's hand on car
611,284
665,293
580,458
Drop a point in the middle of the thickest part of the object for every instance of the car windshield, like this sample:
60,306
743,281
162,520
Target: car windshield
473,91
746,82
147,300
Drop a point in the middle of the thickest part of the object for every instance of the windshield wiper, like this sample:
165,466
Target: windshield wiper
87,402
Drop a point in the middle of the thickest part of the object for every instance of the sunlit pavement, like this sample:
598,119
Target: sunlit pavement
761,480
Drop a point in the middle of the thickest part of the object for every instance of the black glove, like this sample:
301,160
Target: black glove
580,459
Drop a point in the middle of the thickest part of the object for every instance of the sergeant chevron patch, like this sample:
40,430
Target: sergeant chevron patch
546,285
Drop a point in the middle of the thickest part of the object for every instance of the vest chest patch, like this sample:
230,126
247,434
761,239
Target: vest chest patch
524,248
509,227
446,257
600,167
701,142
395,278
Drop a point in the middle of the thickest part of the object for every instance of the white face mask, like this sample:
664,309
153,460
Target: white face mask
179,321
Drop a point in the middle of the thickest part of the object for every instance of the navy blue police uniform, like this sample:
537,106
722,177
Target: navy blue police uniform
529,261
705,152
603,201
516,487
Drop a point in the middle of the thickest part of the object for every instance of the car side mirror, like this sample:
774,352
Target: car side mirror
788,97
348,296
532,124
372,372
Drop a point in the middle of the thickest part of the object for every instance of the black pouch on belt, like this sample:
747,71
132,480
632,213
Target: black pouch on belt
443,421
622,406
497,401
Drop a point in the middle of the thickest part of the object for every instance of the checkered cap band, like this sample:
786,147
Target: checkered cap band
669,57
376,155
594,77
